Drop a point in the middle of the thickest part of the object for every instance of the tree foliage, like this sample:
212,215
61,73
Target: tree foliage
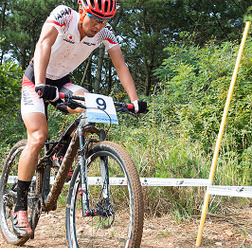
10,89
10,77
23,22
195,84
144,29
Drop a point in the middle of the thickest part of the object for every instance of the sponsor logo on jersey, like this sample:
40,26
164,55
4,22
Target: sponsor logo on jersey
62,13
88,44
27,98
69,38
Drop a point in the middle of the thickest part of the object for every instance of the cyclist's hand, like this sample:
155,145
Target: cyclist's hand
140,106
47,92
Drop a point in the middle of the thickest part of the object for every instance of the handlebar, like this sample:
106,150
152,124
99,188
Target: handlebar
122,107
67,97
61,95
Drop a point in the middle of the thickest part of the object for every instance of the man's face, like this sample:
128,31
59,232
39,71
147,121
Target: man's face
92,25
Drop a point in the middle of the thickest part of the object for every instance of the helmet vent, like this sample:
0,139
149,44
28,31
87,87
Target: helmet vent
92,3
100,4
106,6
111,6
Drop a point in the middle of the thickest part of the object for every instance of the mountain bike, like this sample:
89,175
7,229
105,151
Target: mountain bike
105,213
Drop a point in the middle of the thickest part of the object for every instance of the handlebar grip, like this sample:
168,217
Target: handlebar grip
130,107
61,95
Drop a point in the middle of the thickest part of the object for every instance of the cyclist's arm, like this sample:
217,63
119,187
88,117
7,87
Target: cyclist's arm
123,72
42,52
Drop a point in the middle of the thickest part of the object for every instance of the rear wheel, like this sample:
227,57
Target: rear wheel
8,196
122,224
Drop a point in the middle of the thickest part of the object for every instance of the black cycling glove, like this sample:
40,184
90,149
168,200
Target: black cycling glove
47,92
140,106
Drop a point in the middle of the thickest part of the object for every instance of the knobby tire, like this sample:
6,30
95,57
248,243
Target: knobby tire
124,229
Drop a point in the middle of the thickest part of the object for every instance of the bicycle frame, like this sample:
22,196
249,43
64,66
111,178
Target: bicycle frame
82,128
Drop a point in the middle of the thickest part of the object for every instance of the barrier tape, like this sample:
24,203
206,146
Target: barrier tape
236,191
144,181
174,182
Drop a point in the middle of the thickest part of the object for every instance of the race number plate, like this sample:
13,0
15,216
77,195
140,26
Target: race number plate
100,108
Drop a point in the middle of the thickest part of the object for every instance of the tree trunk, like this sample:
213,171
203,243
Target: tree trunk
89,78
2,29
147,78
22,60
147,64
86,74
99,69
110,83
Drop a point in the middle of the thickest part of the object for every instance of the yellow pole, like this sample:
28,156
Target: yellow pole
217,146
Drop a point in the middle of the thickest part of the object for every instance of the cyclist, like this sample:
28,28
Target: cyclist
67,39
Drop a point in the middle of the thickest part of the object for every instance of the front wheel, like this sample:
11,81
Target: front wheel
124,225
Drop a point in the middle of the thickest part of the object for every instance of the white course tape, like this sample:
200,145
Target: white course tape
144,181
237,191
174,182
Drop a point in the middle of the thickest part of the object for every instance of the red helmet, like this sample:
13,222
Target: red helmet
104,9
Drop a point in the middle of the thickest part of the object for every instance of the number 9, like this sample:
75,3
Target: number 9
101,104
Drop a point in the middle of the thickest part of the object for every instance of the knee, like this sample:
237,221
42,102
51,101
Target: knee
37,140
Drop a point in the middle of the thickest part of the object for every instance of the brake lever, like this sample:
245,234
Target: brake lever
125,110
69,102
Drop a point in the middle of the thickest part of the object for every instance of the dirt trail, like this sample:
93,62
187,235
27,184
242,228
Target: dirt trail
219,231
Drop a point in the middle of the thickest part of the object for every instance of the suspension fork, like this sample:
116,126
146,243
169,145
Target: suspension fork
86,211
104,171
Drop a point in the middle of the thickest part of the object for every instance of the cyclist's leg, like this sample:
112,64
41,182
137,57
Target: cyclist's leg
33,113
37,130
73,89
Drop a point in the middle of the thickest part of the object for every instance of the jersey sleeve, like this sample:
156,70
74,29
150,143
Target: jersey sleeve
60,18
109,39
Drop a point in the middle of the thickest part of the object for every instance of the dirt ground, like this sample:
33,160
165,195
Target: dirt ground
230,231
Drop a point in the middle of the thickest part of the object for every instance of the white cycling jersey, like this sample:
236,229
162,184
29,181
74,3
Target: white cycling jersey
68,51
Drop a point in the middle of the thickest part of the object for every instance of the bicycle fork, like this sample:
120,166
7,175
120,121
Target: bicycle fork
104,206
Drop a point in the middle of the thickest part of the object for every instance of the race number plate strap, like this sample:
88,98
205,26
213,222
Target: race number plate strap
100,108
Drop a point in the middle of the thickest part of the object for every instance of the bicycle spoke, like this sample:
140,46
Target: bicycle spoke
114,225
